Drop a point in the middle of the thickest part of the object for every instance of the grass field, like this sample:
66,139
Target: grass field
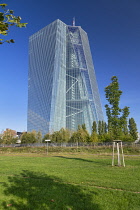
78,181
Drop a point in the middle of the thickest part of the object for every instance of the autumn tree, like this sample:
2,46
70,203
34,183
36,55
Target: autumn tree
7,20
9,136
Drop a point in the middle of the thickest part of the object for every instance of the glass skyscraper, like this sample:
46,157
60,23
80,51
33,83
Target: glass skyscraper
62,87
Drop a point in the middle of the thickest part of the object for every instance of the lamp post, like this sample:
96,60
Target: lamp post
47,140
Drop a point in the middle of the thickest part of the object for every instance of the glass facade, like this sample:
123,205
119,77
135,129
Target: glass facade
62,88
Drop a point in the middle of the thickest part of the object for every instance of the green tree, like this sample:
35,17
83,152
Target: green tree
123,120
60,136
116,123
100,131
8,19
94,137
94,127
65,134
133,129
76,137
107,137
56,137
81,135
105,127
127,137
29,137
84,127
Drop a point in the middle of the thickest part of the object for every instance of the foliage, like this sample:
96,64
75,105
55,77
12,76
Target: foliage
8,19
30,137
81,135
9,136
127,137
56,137
117,124
39,137
133,129
99,127
83,127
94,127
63,135
60,136
76,137
94,137
105,127
106,137
46,136
102,127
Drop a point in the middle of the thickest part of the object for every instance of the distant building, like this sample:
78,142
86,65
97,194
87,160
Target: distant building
19,134
62,89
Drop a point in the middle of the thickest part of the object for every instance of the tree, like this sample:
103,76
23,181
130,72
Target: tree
56,137
116,124
123,120
39,137
107,137
81,135
8,19
84,127
63,135
94,137
100,130
133,128
105,127
46,136
76,137
9,136
27,138
94,127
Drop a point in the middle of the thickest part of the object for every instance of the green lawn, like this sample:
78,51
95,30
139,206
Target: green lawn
68,182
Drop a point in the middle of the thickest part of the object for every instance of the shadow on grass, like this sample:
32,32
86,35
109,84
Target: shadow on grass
85,160
100,163
34,191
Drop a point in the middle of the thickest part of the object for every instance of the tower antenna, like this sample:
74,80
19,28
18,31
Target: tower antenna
73,22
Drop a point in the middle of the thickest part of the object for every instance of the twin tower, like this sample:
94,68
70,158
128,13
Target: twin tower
62,87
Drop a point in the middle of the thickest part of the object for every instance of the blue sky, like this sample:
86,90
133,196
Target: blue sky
113,28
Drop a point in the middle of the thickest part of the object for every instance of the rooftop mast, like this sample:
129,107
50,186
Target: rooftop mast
73,22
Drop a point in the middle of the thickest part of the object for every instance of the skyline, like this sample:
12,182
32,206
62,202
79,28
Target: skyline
113,31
